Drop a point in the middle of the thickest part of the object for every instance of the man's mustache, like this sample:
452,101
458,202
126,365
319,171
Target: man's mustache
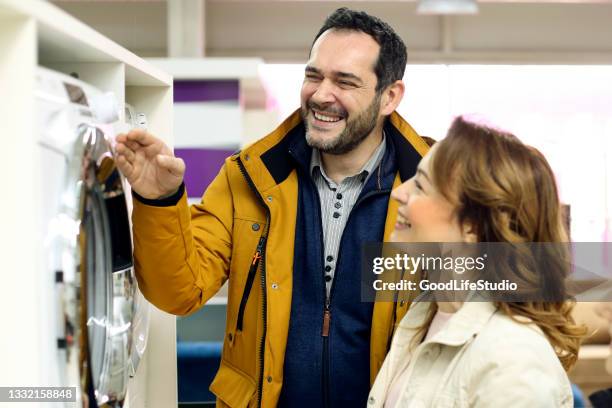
330,110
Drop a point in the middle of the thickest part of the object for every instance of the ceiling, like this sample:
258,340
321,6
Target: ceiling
504,31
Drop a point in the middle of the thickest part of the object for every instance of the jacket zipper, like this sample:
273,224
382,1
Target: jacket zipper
325,334
327,307
262,262
249,283
326,311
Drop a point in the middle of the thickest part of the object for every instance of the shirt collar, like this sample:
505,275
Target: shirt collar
366,170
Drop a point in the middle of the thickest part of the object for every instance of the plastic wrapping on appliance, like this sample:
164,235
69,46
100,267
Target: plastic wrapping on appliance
140,330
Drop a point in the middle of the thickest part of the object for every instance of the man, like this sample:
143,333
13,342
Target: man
284,221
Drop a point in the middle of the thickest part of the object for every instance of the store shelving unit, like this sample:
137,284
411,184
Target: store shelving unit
252,101
33,33
257,119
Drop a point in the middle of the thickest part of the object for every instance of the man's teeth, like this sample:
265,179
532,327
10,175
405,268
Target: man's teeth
325,118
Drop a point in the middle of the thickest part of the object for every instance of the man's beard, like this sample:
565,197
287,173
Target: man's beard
355,131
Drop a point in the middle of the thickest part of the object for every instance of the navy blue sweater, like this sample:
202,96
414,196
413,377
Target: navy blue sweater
332,371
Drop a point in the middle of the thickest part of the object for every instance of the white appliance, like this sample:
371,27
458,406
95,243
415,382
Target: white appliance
88,276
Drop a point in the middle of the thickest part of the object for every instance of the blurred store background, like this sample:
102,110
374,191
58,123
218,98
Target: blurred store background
541,69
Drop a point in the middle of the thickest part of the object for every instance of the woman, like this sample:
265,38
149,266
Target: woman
481,185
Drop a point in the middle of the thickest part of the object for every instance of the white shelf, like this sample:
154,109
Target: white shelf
210,68
62,38
33,33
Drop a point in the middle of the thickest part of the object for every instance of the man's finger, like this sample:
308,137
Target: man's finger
130,155
174,165
121,148
133,145
124,166
121,138
141,137
124,151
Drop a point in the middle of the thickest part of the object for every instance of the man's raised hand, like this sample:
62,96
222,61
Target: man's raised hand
148,164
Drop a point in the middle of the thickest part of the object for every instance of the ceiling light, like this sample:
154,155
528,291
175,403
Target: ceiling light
447,7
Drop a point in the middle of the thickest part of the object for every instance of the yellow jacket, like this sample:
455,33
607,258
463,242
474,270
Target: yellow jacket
184,255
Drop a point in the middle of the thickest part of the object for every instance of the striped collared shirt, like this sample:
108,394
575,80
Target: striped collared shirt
337,201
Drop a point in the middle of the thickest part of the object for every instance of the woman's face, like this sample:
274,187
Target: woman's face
424,215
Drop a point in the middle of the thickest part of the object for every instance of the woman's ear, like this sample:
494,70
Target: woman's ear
469,233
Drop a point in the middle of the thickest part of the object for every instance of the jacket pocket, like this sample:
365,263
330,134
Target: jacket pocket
233,387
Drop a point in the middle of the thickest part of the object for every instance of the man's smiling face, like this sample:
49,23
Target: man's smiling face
339,102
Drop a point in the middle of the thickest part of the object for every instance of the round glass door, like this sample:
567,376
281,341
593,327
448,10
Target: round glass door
99,293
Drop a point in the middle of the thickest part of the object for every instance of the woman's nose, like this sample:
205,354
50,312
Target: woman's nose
401,192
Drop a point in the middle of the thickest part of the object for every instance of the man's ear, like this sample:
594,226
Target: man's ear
391,97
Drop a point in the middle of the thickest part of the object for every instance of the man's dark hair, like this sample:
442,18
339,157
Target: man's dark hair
392,57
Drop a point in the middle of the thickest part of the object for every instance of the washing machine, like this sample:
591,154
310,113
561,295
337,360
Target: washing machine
90,300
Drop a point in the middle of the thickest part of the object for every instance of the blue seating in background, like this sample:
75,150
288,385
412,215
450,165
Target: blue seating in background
197,364
579,401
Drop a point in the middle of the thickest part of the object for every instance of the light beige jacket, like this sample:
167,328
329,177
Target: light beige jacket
481,358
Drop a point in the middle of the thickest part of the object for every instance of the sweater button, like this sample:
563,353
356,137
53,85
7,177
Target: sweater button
255,227
269,378
229,337
371,401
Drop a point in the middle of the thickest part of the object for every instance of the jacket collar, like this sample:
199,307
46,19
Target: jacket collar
281,150
464,325
366,170
386,167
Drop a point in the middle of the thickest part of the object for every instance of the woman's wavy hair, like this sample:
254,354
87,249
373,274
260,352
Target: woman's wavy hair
506,191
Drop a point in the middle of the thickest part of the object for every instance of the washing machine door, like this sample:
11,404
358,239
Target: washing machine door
99,294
